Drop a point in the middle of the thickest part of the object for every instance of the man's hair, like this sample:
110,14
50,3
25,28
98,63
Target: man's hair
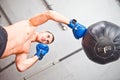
52,35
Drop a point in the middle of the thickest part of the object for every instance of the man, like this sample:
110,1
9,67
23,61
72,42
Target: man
17,38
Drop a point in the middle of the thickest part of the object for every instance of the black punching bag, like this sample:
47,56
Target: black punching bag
101,42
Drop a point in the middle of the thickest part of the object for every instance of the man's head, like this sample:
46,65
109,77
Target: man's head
45,37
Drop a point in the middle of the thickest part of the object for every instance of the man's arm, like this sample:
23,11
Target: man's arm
48,15
22,63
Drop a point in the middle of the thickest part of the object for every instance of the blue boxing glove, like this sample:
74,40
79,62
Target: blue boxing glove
77,29
42,50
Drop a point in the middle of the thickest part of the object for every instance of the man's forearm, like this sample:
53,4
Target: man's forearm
24,65
48,15
53,15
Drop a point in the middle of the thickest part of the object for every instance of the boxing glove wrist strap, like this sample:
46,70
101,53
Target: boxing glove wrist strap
72,23
39,56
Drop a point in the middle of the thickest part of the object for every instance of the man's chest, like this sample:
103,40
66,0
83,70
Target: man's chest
25,48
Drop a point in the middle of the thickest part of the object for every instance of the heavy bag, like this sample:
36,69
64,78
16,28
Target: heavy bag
101,42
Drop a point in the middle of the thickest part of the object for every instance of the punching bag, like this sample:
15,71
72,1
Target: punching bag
101,42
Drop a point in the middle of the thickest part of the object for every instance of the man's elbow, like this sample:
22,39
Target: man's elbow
20,68
50,14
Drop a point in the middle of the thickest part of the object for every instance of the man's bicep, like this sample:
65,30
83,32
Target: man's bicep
21,57
39,19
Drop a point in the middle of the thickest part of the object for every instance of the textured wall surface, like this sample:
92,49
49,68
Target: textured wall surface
76,67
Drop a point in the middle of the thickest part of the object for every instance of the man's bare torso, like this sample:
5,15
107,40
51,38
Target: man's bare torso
19,38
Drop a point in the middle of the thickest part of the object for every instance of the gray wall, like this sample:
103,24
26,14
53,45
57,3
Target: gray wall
76,67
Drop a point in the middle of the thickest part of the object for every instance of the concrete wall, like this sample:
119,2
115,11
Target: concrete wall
76,67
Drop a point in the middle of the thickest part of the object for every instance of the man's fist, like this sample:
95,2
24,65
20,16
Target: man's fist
42,50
